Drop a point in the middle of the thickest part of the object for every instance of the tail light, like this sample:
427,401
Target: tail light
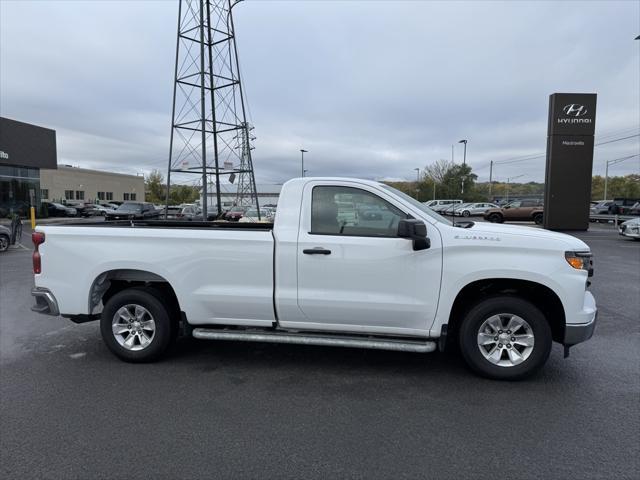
37,238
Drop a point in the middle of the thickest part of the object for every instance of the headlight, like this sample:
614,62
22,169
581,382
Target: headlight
580,261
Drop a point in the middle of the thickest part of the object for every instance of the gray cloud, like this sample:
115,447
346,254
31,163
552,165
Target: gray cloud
371,89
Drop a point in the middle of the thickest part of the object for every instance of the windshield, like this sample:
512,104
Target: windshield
130,207
415,203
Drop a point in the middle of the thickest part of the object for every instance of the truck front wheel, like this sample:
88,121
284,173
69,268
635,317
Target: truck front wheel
505,338
136,326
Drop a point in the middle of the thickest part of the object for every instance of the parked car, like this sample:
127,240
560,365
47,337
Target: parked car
635,209
630,228
504,293
520,210
235,214
91,210
104,209
468,209
172,211
133,211
251,216
601,207
438,205
59,210
370,212
189,212
622,206
5,238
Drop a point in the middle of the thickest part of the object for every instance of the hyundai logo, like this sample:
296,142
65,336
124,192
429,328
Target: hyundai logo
575,110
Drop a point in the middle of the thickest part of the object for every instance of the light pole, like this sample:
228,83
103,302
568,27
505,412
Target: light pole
464,162
417,181
303,151
490,178
511,178
464,158
606,171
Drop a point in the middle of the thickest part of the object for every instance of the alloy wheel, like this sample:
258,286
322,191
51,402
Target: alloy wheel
505,339
133,327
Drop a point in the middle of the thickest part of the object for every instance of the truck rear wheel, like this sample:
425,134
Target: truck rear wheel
136,325
505,338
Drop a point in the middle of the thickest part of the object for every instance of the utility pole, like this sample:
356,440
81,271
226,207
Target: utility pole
417,181
303,151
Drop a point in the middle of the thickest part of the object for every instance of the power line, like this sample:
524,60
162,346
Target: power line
542,155
617,140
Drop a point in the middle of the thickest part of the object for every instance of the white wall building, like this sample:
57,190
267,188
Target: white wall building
73,185
268,194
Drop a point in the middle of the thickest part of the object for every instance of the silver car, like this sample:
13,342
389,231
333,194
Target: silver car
630,228
469,209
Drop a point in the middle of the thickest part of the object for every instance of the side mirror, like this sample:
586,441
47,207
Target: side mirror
416,231
507,206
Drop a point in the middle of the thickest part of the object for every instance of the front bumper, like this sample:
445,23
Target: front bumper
46,303
632,232
575,333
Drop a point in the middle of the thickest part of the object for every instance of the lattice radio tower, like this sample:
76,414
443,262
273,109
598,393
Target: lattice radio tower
246,184
208,115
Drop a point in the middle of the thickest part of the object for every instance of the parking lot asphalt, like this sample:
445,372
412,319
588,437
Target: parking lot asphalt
69,409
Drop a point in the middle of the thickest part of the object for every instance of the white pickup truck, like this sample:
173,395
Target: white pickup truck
347,262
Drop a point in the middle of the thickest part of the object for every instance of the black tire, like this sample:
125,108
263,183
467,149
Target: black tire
470,328
538,218
152,301
495,218
4,242
466,213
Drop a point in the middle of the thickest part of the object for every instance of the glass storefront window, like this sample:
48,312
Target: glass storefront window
16,194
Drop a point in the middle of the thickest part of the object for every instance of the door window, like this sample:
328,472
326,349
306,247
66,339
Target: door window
352,212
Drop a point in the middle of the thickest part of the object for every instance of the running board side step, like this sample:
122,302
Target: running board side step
419,346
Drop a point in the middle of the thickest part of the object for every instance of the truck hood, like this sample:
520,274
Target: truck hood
497,229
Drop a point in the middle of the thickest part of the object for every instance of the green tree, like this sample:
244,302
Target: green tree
155,189
183,194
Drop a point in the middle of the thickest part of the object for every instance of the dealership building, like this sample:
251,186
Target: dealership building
30,174
24,150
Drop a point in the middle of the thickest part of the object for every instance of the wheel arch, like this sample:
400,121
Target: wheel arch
110,282
543,297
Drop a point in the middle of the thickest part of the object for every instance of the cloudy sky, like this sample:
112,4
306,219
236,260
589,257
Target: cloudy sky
371,88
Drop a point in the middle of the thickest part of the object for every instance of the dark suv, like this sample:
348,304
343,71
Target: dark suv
133,211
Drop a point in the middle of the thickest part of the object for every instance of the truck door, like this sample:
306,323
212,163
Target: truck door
354,273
